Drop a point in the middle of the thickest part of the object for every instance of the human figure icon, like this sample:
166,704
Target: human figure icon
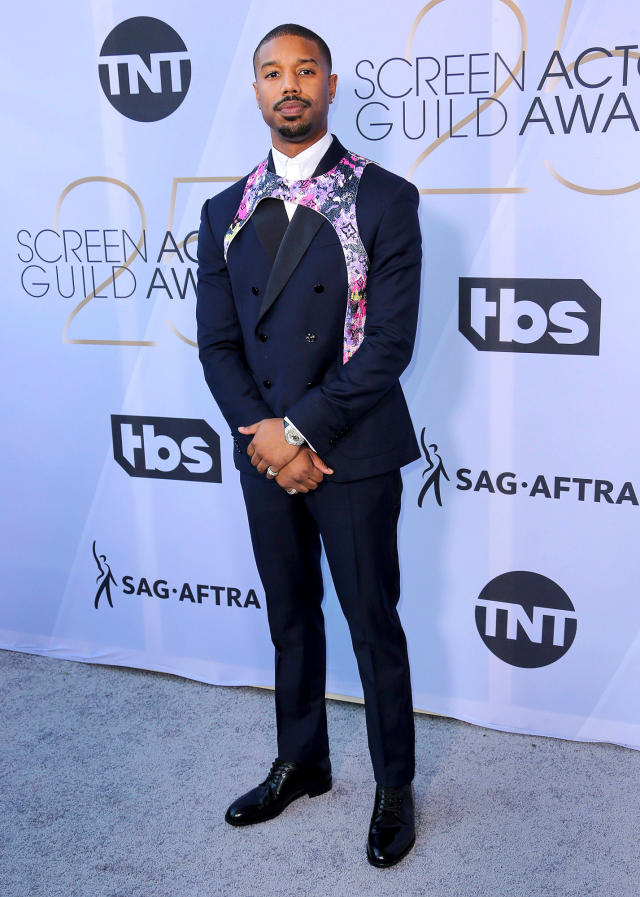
105,577
435,471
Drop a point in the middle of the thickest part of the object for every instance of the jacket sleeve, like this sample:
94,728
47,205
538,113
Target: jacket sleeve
220,341
326,413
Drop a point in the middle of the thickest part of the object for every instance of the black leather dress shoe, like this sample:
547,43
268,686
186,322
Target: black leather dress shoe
285,782
392,832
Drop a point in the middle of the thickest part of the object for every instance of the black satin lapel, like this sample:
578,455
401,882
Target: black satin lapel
270,220
303,227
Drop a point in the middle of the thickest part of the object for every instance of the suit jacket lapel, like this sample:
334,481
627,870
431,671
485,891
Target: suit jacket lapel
271,221
304,225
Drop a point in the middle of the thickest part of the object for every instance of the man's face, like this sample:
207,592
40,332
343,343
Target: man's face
293,88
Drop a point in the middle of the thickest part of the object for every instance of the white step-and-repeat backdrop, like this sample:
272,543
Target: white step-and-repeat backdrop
125,539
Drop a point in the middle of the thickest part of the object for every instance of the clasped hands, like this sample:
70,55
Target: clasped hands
298,467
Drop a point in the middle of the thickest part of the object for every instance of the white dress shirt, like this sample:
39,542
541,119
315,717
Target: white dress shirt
301,166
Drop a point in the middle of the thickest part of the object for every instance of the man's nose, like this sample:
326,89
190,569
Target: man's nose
290,83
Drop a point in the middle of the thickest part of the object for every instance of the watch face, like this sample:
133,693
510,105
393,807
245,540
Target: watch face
292,437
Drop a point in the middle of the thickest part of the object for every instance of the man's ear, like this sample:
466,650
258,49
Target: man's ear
333,83
255,87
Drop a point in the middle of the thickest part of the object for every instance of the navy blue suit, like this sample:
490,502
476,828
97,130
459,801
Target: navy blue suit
270,335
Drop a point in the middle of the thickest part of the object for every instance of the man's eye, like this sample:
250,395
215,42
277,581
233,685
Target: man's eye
271,74
307,71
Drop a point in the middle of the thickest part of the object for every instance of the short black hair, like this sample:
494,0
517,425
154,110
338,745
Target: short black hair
295,31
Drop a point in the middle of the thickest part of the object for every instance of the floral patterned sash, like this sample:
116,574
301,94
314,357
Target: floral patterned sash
332,195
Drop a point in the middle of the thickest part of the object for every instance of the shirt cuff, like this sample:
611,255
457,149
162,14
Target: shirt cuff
291,424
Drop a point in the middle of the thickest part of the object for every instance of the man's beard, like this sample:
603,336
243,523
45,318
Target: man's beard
295,130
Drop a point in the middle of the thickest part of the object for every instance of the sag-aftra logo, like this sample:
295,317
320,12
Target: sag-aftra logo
110,585
437,483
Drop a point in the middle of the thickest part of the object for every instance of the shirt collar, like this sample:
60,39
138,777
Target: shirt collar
305,163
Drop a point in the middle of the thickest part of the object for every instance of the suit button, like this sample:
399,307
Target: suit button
263,337
310,337
255,290
318,288
309,385
266,384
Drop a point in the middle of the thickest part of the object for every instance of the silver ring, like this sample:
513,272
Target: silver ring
272,473
292,491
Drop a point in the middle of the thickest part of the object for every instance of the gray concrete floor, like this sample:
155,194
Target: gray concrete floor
114,783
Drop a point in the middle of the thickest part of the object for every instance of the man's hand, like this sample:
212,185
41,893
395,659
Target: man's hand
304,473
269,448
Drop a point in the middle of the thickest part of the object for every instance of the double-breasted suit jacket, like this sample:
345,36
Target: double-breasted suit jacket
281,305
271,319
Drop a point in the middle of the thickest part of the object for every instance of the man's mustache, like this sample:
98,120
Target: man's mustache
300,100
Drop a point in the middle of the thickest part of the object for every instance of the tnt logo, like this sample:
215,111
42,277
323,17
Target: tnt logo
144,69
526,619
501,314
166,448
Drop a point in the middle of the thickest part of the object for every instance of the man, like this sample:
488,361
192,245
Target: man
308,284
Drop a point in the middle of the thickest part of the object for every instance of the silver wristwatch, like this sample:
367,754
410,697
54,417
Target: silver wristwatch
292,434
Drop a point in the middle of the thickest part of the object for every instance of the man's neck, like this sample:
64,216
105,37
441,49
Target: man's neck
291,149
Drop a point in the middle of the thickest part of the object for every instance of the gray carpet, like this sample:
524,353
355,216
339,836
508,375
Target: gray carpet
115,781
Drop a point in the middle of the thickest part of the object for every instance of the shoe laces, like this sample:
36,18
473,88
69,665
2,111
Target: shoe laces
390,801
278,769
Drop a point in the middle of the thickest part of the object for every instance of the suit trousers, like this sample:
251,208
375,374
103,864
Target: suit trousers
357,522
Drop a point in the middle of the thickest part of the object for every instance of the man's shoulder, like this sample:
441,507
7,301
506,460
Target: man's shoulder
383,193
227,201
387,184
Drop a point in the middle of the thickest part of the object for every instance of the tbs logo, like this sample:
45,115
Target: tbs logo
167,448
526,619
502,314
